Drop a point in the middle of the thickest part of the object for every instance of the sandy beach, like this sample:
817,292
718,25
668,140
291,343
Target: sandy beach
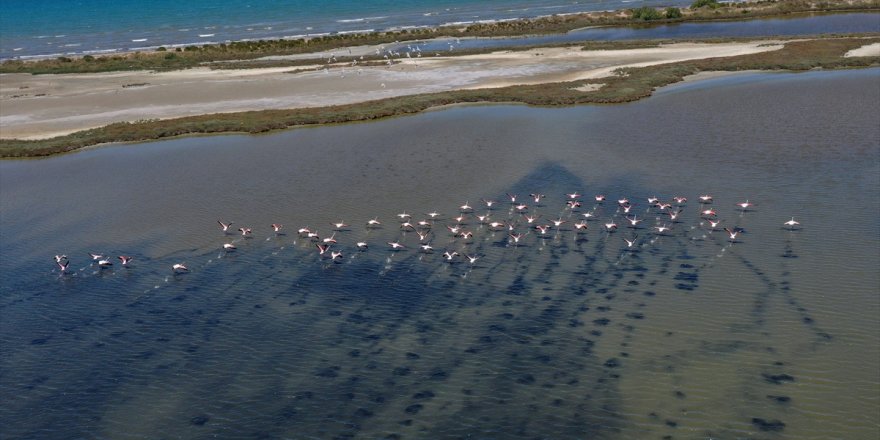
42,106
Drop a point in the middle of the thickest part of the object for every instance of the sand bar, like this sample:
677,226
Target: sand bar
42,106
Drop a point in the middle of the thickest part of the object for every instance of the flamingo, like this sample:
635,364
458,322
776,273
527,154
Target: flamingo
179,268
745,205
630,242
277,227
229,247
662,228
224,226
634,221
733,233
396,246
516,237
792,223
125,259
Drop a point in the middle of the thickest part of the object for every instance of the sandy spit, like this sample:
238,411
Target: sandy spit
41,106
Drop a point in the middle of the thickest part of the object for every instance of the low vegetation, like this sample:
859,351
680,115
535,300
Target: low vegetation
627,85
192,56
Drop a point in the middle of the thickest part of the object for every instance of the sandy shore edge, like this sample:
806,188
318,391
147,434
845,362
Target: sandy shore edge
45,106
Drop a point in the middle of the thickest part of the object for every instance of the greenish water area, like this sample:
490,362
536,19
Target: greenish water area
567,334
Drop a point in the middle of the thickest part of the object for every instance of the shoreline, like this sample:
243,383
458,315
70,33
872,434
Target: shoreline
184,56
593,18
626,75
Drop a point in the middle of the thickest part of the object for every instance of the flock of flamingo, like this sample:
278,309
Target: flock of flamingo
521,220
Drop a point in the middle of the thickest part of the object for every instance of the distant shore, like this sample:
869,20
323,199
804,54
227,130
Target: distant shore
50,114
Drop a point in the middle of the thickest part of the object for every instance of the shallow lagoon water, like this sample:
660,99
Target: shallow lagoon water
842,23
568,336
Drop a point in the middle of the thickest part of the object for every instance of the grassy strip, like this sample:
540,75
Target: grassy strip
629,85
193,56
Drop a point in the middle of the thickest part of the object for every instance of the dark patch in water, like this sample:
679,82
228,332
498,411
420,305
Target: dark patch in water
427,394
363,412
328,372
612,363
414,408
778,379
526,379
199,420
779,399
768,425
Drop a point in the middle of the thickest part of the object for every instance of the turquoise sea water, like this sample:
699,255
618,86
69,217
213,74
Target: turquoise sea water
55,27
46,27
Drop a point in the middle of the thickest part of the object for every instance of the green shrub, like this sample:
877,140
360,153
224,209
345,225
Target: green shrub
673,13
88,58
646,13
161,49
700,3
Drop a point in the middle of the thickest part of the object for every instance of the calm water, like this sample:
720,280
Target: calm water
688,335
800,25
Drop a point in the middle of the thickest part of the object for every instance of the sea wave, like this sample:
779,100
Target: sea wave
362,19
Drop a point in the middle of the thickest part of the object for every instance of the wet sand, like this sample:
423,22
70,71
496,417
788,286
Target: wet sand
43,106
